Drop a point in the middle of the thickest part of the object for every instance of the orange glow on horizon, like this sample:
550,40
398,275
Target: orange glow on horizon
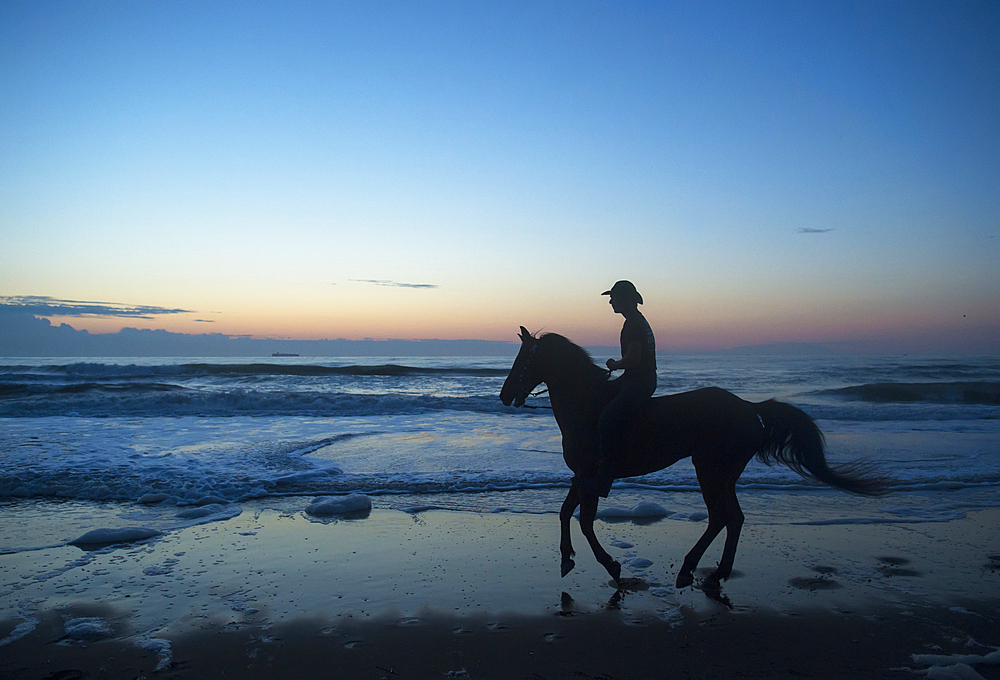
596,326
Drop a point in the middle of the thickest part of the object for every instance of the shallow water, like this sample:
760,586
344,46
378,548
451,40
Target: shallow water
108,443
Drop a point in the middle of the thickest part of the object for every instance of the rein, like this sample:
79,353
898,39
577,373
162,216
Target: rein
535,394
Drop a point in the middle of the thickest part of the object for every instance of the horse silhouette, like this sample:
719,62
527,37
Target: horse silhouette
718,430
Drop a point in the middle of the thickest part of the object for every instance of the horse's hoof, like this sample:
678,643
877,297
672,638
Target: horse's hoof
712,584
567,566
684,579
616,571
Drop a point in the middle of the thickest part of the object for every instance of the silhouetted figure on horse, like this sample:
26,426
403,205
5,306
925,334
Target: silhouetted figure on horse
631,391
717,429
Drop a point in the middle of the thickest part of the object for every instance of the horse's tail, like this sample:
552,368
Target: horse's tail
791,437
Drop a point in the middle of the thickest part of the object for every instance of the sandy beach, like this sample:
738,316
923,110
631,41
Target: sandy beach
275,593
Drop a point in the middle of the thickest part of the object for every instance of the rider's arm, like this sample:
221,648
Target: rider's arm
633,353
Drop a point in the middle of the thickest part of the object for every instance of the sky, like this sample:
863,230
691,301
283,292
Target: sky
764,172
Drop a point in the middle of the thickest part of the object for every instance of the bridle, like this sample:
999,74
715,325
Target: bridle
520,386
522,389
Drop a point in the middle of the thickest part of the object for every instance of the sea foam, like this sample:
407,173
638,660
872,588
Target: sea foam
354,503
102,537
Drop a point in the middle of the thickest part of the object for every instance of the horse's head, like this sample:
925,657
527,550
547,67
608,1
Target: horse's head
524,375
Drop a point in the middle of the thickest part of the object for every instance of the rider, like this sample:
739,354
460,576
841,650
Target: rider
637,384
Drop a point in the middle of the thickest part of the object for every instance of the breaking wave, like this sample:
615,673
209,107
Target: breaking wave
987,393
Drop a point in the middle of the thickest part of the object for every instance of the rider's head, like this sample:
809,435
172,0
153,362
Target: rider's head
623,295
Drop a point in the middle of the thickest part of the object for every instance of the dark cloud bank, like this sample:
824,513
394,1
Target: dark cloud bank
22,334
48,306
25,335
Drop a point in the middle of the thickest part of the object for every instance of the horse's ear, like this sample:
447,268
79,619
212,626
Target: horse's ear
525,335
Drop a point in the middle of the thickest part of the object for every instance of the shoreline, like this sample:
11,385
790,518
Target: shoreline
273,593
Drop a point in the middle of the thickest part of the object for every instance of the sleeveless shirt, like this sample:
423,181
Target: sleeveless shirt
637,329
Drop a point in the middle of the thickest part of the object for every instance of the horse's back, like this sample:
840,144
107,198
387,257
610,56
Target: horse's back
704,397
674,426
705,404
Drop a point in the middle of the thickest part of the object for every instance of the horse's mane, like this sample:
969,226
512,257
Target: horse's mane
577,358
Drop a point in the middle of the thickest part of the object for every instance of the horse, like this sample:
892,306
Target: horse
719,431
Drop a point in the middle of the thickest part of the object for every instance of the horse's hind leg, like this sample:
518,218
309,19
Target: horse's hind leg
569,506
734,521
716,523
712,491
734,524
718,488
588,511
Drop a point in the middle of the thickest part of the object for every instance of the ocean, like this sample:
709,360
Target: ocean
165,443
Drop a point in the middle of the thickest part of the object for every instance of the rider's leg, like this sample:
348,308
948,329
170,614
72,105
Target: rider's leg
611,425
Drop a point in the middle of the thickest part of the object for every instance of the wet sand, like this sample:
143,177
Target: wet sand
272,594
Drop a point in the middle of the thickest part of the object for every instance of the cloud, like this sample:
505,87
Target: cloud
41,305
395,284
812,230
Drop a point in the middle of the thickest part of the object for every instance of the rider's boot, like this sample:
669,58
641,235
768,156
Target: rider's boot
605,478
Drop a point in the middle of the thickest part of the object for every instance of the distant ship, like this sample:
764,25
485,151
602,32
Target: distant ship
283,354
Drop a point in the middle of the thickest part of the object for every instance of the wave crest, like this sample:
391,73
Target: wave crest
986,393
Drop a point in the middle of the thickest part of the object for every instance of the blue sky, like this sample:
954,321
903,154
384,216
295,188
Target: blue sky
764,172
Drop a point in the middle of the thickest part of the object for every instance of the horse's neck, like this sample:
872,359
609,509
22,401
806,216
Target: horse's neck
574,397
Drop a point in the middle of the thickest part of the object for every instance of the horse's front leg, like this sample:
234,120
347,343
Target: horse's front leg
569,506
588,511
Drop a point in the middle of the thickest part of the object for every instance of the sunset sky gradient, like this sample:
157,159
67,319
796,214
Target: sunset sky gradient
764,172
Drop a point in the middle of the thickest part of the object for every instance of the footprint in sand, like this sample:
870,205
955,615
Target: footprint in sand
632,583
895,566
813,583
993,564
409,622
822,582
